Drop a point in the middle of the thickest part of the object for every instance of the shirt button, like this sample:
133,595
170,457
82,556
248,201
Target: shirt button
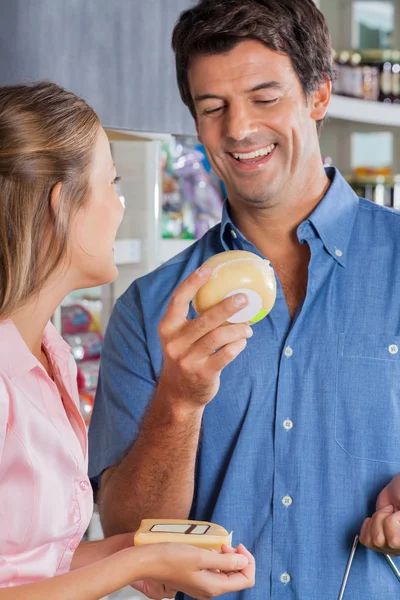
287,501
233,234
288,352
84,485
285,578
288,424
338,253
393,349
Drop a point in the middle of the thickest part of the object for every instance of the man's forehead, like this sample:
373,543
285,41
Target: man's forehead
245,79
244,71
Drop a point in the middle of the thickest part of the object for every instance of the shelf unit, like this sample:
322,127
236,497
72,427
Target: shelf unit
349,115
363,111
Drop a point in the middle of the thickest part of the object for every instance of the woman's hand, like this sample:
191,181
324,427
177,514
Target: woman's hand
199,573
154,590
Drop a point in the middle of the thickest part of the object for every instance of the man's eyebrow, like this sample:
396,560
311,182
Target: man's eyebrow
267,85
202,97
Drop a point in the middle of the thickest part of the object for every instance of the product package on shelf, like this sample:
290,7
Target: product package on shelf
85,346
379,186
368,74
81,329
192,196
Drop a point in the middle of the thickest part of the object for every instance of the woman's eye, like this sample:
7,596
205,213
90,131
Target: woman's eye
116,180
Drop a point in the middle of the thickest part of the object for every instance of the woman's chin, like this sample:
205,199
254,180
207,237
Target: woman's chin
94,279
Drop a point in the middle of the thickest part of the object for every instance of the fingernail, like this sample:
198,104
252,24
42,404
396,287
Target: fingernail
204,272
240,299
249,332
242,561
388,508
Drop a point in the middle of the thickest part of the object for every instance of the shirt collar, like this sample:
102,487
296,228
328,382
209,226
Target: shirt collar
16,358
332,220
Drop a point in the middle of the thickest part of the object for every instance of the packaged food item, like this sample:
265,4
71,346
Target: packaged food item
370,80
382,60
356,76
372,74
86,401
88,374
194,533
75,319
234,272
396,77
344,74
381,189
192,201
85,346
396,192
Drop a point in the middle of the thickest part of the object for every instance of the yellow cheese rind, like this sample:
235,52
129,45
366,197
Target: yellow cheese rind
238,271
194,533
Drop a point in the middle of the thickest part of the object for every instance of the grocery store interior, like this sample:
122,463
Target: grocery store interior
170,193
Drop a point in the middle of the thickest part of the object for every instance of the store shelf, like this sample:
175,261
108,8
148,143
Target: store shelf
364,111
169,248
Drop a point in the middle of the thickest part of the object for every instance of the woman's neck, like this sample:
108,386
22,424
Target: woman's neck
32,318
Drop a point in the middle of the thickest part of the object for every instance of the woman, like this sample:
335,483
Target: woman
59,214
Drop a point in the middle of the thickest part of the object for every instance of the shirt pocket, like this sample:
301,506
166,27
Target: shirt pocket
367,411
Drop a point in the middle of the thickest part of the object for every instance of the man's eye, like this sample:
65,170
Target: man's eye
266,101
210,111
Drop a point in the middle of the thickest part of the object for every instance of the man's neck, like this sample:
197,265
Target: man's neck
272,229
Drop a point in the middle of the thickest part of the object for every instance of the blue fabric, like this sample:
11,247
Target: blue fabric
340,388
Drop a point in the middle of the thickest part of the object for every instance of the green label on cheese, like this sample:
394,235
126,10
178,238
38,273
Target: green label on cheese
263,313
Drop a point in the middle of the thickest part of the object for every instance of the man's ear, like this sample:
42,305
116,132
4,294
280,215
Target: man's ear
320,99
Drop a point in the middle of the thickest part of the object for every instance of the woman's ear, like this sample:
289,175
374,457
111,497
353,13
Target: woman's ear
55,197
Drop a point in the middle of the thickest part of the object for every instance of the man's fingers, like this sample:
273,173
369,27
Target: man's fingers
365,533
214,317
391,527
381,532
384,498
218,338
219,360
378,537
178,306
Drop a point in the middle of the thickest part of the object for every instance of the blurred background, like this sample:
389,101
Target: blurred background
117,55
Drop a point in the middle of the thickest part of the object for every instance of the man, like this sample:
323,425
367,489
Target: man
290,438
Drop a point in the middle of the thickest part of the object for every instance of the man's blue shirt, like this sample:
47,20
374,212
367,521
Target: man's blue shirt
305,430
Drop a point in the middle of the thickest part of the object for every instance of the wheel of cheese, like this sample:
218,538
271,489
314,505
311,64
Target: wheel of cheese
234,272
195,533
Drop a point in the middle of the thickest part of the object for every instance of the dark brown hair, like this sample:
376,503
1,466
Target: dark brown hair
294,27
47,136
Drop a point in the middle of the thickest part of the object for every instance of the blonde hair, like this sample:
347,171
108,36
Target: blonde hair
47,136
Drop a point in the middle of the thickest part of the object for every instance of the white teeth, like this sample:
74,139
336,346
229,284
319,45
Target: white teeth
256,154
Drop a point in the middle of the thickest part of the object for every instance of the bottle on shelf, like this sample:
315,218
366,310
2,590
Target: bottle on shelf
369,75
396,77
382,61
380,187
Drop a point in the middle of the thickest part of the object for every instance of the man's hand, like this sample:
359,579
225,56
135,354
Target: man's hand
381,532
195,351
